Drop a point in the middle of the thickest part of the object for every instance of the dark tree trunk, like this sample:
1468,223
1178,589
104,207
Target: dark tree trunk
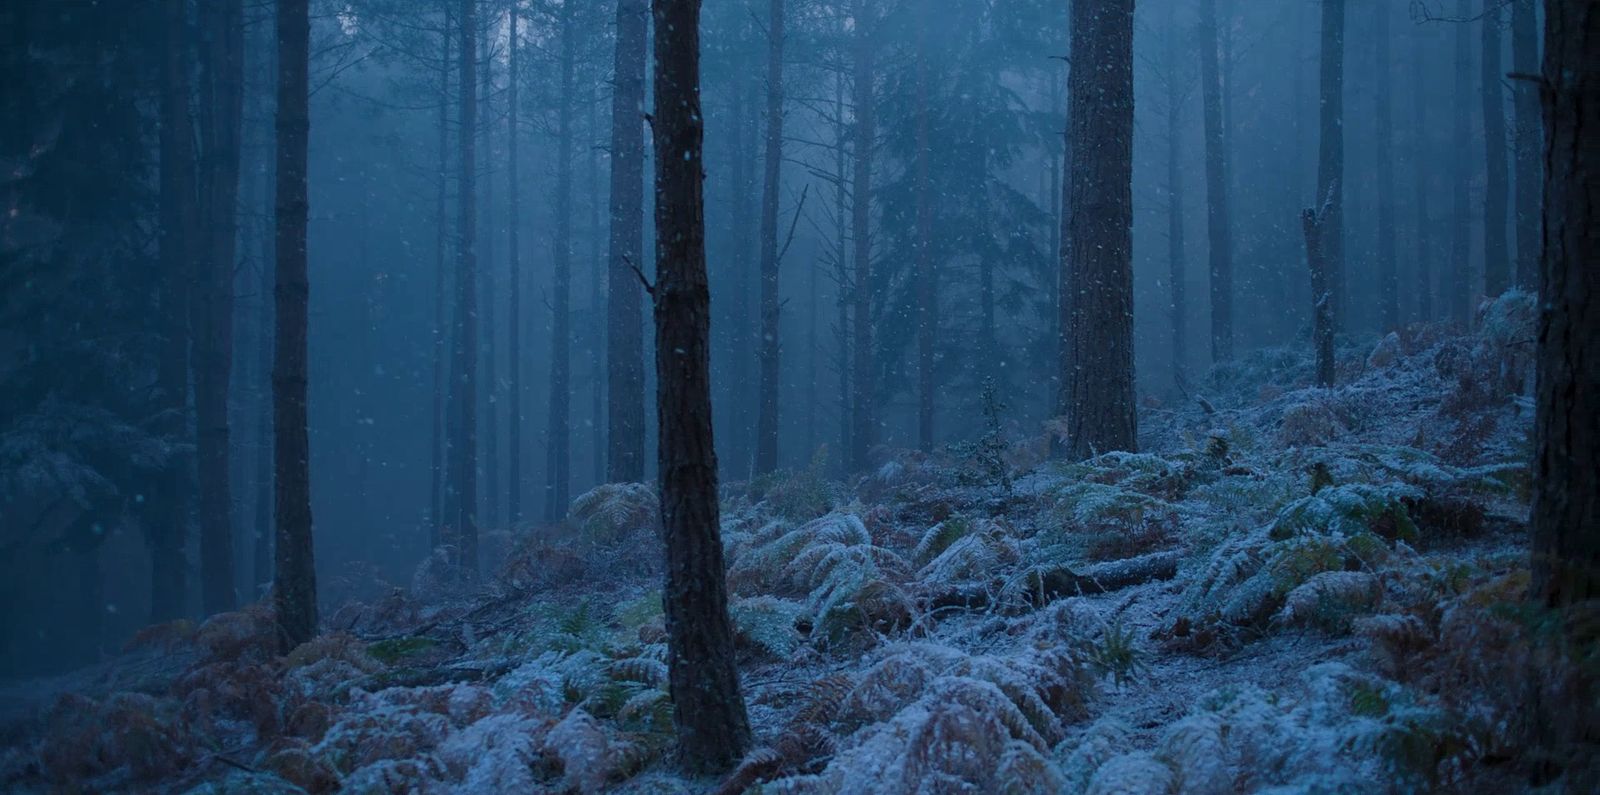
927,280
179,241
262,558
437,513
1097,365
558,474
1455,278
1388,269
1420,153
221,124
597,298
488,405
1566,493
863,425
1218,226
766,458
295,576
708,708
1527,140
841,267
462,436
1175,260
1321,293
625,341
1330,157
514,276
1496,256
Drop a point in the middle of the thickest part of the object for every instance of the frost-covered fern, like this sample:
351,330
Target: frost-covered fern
612,512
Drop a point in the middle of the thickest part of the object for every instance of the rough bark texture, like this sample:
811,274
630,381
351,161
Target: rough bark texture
927,281
1455,276
766,458
1312,222
295,576
1527,139
514,276
1388,270
1330,156
461,504
1218,229
179,229
221,125
1566,494
708,708
558,470
1097,363
1175,259
1496,255
625,339
863,425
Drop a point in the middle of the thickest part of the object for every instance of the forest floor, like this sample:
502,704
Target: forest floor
1291,590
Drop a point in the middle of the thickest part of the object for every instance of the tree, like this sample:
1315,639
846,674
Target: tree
1330,157
1566,468
862,423
295,575
1218,228
766,458
1097,294
1419,158
437,513
1455,281
558,474
514,275
708,710
625,337
461,509
1175,260
926,278
1496,257
1388,273
1527,140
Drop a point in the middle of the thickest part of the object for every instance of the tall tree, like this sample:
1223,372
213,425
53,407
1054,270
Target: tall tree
488,404
766,458
1566,470
1455,283
294,573
262,556
863,425
1528,139
1175,260
221,25
926,278
1218,225
1097,294
1388,271
462,436
625,332
558,474
1421,185
1330,158
707,706
437,512
514,276
1496,256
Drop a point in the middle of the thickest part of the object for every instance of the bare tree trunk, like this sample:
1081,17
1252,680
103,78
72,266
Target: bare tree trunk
462,491
625,340
1496,257
1321,292
841,266
1330,157
766,458
558,472
1218,225
179,239
436,467
1097,367
926,278
262,557
863,425
1388,268
597,298
1528,139
1420,152
708,708
295,575
1456,278
487,394
514,276
1175,259
1566,470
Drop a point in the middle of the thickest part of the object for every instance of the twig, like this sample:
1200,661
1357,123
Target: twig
648,287
795,221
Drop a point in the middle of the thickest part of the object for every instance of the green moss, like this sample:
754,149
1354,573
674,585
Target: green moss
393,650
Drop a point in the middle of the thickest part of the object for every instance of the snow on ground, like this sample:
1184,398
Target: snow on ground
1294,590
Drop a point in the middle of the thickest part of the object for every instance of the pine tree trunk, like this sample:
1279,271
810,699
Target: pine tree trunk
462,436
1496,257
1419,153
295,576
1330,157
841,267
558,472
514,277
1528,139
438,512
1218,225
927,288
708,708
1566,470
1097,366
488,405
1388,268
766,458
597,298
863,425
1175,259
262,558
1321,293
1456,276
625,340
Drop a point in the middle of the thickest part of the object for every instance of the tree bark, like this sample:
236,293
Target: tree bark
1496,256
438,512
926,279
863,425
1388,268
708,708
625,341
295,575
1455,278
462,436
514,277
1566,494
1218,225
1420,152
1175,259
1528,139
488,405
841,265
558,471
1330,157
766,458
1097,366
1312,222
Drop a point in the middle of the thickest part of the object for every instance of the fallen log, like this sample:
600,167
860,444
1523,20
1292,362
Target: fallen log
1040,587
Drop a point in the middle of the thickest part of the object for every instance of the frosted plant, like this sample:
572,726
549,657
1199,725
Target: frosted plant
1196,751
585,751
1103,740
1138,773
976,556
611,512
767,623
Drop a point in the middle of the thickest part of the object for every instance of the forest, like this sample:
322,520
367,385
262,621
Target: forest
800,396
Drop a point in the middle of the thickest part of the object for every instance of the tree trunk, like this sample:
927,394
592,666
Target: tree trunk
462,491
625,342
597,298
437,512
1527,139
1321,292
559,433
514,276
1388,269
1420,153
1218,229
1330,158
221,124
863,425
1566,493
766,458
841,267
487,402
295,575
708,708
1175,259
927,288
1496,257
262,558
179,238
1097,366
1457,276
